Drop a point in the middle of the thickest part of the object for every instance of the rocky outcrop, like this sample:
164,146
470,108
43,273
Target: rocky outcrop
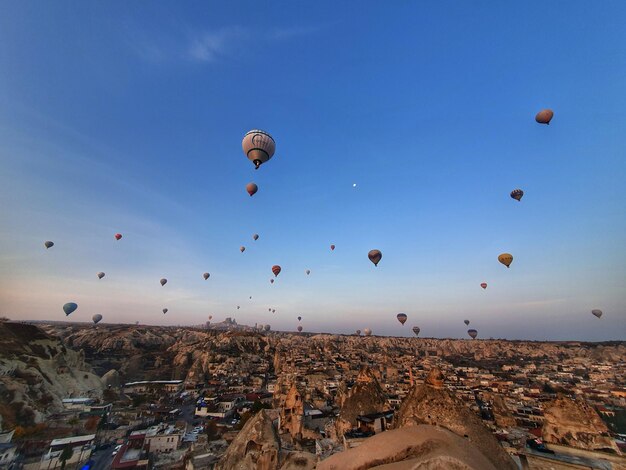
432,404
575,423
111,379
424,447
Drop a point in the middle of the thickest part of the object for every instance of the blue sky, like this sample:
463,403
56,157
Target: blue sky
128,117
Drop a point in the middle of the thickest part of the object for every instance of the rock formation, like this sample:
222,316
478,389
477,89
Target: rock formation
575,423
432,404
424,447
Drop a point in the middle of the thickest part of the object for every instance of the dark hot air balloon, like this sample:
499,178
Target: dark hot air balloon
308,271
299,318
48,244
252,189
466,322
276,270
242,248
375,256
269,309
267,327
238,307
118,236
597,313
544,116
69,308
164,311
273,310
506,259
358,332
332,247
163,281
100,275
96,318
299,329
255,237
483,285
517,194
271,281
416,330
401,317
473,333
206,276
258,146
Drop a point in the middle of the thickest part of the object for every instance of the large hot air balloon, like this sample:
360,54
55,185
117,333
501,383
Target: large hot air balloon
332,247
258,146
544,116
517,194
506,259
367,332
299,318
597,313
252,189
375,256
100,275
483,285
473,333
242,248
69,308
96,318
401,317
416,330
276,270
358,332
308,271
255,236
206,276
118,236
163,281
466,322
48,244
164,311
267,327
299,329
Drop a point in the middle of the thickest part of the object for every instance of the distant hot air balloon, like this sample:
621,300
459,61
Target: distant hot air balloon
242,248
48,244
273,310
416,330
276,270
375,256
367,332
299,329
544,116
250,297
238,307
267,327
506,259
100,275
358,332
255,237
164,311
473,333
163,281
308,271
118,236
299,318
96,318
69,308
210,317
252,189
401,317
517,194
258,146
483,285
466,322
332,247
206,276
271,281
597,313
269,309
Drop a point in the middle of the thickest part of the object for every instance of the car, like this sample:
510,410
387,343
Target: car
116,450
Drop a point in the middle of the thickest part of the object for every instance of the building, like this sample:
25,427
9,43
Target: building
144,386
81,451
77,404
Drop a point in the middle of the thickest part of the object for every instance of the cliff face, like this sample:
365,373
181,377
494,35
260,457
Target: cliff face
432,404
574,423
36,372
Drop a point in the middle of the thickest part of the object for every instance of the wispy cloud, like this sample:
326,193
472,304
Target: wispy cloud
212,45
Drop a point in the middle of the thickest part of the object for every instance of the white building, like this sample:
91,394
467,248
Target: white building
81,447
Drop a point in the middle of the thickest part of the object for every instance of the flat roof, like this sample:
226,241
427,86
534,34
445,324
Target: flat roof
72,440
77,400
159,382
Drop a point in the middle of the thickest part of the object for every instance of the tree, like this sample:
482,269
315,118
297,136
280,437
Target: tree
66,454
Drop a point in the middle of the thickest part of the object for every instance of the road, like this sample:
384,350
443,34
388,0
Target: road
102,459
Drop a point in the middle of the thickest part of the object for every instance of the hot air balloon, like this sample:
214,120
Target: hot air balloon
258,146
206,276
299,318
544,116
506,259
517,194
118,236
69,308
299,329
597,313
308,271
255,236
267,327
466,322
252,189
375,256
96,318
271,281
358,332
273,310
48,244
210,317
163,281
401,317
276,270
250,297
164,311
473,333
269,309
242,248
367,332
483,285
238,307
332,247
416,330
100,275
